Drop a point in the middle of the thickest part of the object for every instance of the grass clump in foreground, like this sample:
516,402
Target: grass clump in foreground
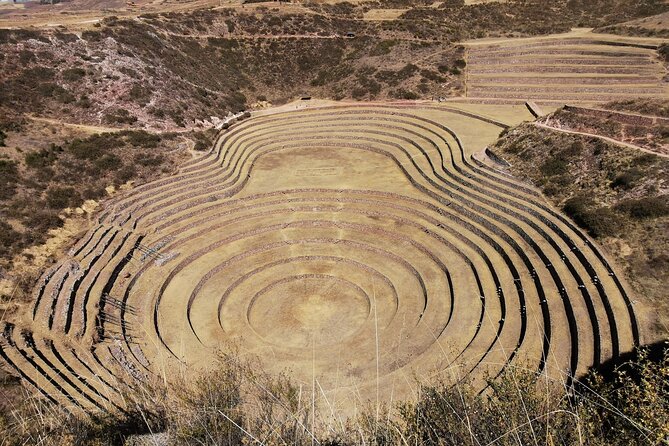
235,404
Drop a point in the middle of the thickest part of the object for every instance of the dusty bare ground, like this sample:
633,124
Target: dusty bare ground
76,14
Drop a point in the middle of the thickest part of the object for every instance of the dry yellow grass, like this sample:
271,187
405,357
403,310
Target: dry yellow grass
579,66
383,14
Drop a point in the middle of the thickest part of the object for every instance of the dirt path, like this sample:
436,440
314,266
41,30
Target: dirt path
101,129
81,127
626,113
606,138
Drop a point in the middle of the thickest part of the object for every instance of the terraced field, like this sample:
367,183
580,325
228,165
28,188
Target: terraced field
585,68
351,244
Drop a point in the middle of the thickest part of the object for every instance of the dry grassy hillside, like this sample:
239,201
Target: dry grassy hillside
241,58
650,133
653,26
140,72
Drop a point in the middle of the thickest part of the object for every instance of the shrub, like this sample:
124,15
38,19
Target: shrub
125,174
200,146
43,158
178,117
140,94
647,159
9,177
460,63
626,406
39,221
202,141
62,197
644,208
148,160
3,136
119,116
94,146
407,71
404,94
235,102
108,162
8,238
554,166
26,56
663,51
384,47
142,138
432,75
219,393
94,192
640,388
598,221
627,180
55,91
73,74
84,102
91,36
358,93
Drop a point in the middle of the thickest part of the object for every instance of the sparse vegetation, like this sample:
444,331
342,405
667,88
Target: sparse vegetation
613,192
234,403
63,175
120,116
650,107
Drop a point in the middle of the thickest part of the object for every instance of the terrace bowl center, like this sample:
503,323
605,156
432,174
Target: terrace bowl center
358,246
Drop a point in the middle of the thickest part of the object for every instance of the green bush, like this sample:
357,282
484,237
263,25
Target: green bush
148,160
43,158
140,94
383,47
644,208
142,138
55,91
108,162
598,221
94,192
663,51
26,56
404,94
201,146
95,146
84,101
554,166
9,177
39,221
125,174
627,180
202,141
8,238
74,74
62,197
119,116
647,159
